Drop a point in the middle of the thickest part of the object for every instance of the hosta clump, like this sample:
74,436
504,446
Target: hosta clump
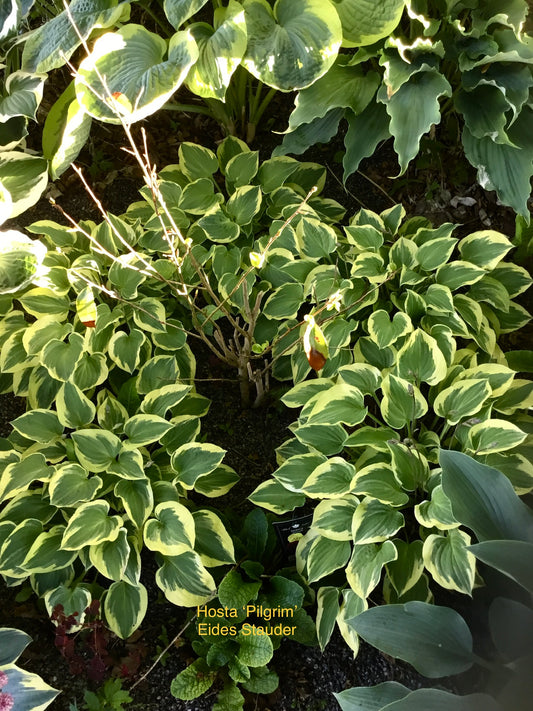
102,463
423,371
236,635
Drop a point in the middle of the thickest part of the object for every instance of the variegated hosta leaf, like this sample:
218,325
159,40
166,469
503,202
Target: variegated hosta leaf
352,605
449,561
45,554
194,460
96,449
330,480
327,600
340,403
421,360
461,399
145,429
74,409
272,495
363,571
16,547
23,179
365,22
494,436
325,556
385,331
485,248
406,569
184,580
294,471
91,524
333,518
75,599
402,402
125,349
70,486
39,425
20,260
61,358
111,557
212,542
436,513
374,522
220,51
137,498
18,475
159,401
125,606
178,11
54,42
172,530
379,482
138,78
293,45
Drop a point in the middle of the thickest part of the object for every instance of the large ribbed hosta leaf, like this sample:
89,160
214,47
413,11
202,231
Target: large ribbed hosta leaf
366,21
138,77
292,45
504,168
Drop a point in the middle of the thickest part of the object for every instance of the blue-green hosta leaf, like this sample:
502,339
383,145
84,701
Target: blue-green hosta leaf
461,399
272,495
371,698
385,331
363,571
70,486
18,475
65,131
125,606
494,436
449,561
111,557
90,524
365,132
326,556
184,580
333,518
433,639
374,522
505,168
413,109
212,542
402,402
23,179
220,52
396,697
509,557
178,11
54,42
484,500
365,22
138,77
342,87
293,45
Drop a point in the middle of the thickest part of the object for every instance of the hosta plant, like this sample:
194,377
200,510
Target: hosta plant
102,464
436,640
420,371
236,635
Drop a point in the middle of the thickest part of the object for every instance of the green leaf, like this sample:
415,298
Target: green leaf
234,593
364,22
193,681
435,640
449,561
512,558
365,132
254,650
220,52
293,45
178,11
319,130
125,606
172,530
371,698
23,179
413,109
484,500
90,524
138,77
